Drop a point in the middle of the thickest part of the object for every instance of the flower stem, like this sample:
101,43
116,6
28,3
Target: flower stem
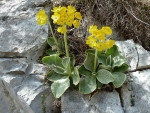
66,45
95,60
51,30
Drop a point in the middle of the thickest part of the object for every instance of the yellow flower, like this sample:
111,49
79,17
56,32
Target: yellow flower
100,35
70,15
63,9
107,30
62,29
78,15
69,22
61,21
55,17
92,28
76,23
110,43
91,41
101,46
41,17
71,9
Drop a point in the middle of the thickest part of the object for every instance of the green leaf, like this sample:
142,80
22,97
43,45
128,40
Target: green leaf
52,60
101,57
104,76
119,60
66,62
50,41
83,71
119,79
124,67
53,76
92,51
59,87
99,85
58,69
113,51
108,67
72,63
109,60
89,62
75,76
74,87
50,51
87,85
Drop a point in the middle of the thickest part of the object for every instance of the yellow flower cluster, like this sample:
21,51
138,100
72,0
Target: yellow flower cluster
98,38
66,16
41,17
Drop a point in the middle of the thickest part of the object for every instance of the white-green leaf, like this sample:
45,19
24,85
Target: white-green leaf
104,76
119,60
83,71
53,76
101,57
50,41
109,60
58,69
75,76
99,85
52,60
89,62
59,87
87,85
119,79
66,62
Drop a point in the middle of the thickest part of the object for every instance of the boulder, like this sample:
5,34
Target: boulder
144,57
128,49
101,102
24,84
136,93
20,35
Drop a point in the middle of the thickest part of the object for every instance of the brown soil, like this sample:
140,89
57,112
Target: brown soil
129,18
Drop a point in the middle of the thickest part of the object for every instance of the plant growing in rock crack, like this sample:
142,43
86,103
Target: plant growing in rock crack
63,73
103,63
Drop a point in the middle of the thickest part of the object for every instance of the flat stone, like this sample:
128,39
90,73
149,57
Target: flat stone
25,83
9,102
12,65
21,36
101,102
128,49
136,94
144,57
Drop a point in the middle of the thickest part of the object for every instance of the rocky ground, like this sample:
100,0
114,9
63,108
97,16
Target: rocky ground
22,76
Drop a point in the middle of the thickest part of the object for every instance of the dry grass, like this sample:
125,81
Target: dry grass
130,18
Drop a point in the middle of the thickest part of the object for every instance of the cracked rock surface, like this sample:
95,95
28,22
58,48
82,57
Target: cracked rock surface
20,36
22,42
103,102
134,94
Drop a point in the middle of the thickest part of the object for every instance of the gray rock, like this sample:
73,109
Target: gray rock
9,102
20,35
12,65
25,85
136,99
102,102
144,57
128,49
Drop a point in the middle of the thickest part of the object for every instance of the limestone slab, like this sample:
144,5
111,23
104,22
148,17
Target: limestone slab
102,102
136,99
20,35
24,82
144,57
128,49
